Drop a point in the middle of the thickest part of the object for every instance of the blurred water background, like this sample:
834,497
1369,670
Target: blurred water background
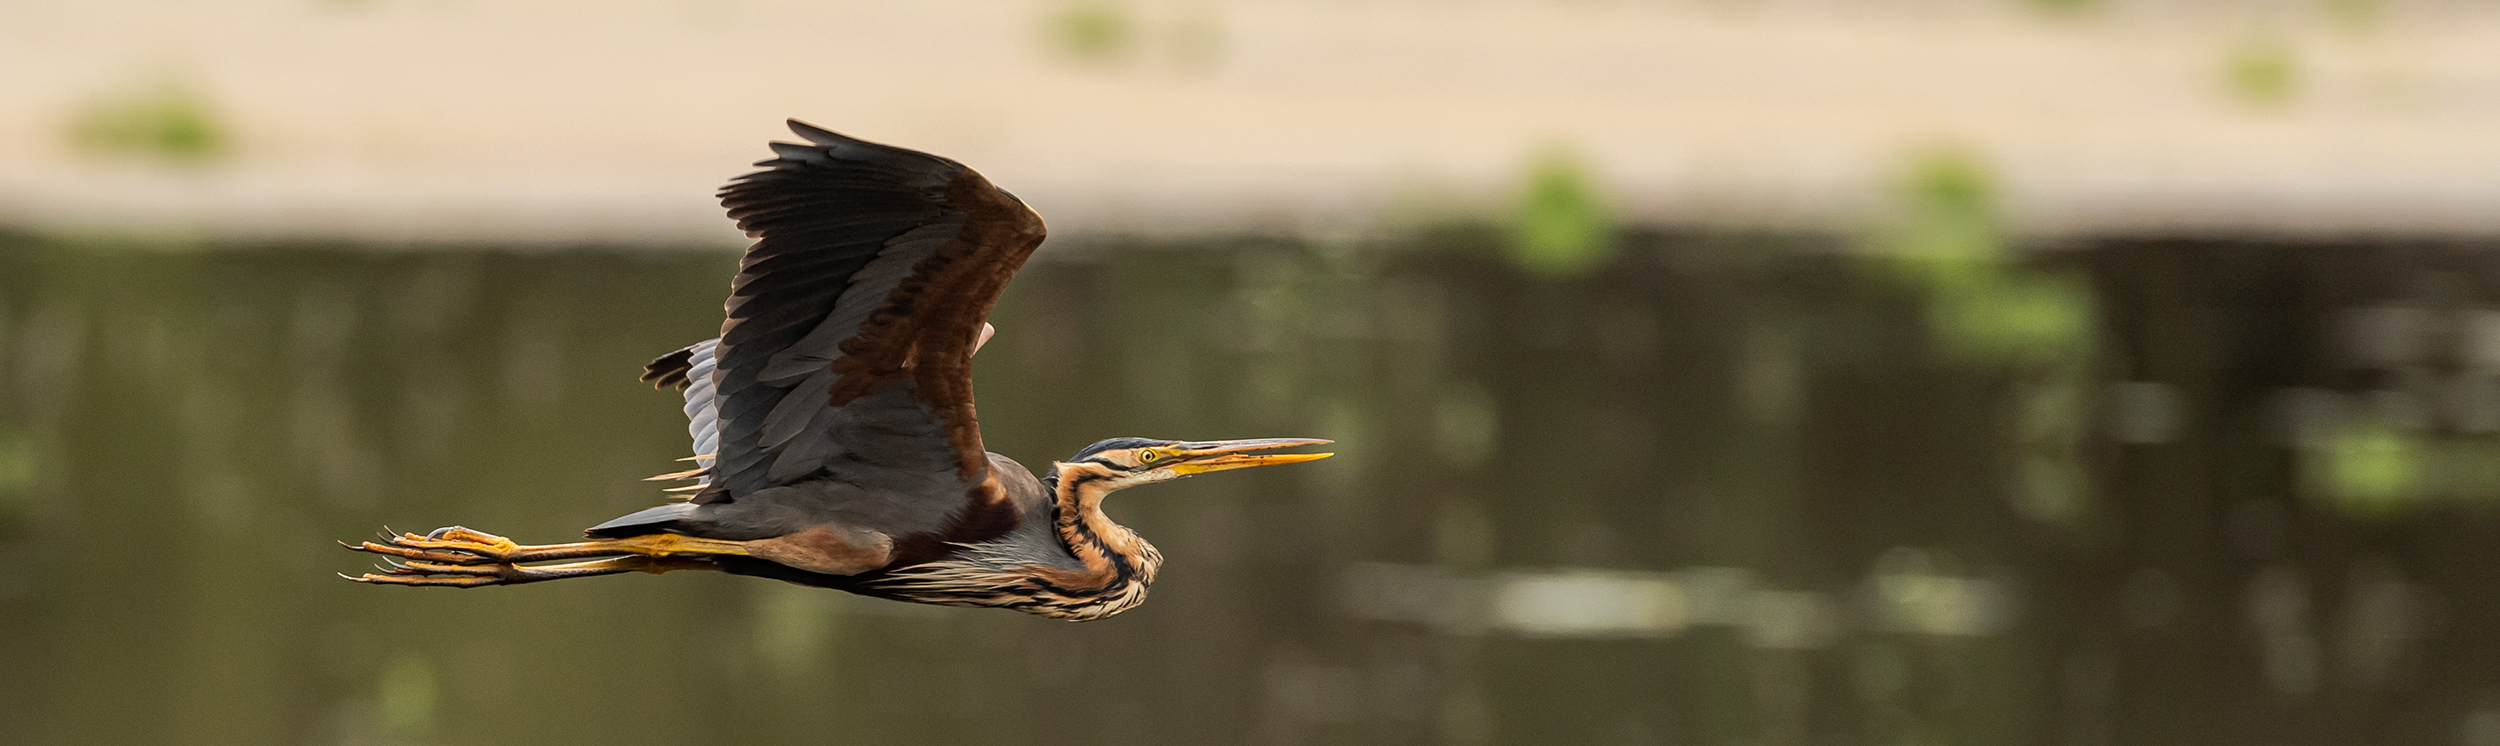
1726,489
1773,372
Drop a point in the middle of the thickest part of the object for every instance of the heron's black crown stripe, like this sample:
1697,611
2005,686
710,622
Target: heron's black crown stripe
1118,443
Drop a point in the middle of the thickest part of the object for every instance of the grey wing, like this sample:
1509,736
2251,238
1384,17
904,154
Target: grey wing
847,351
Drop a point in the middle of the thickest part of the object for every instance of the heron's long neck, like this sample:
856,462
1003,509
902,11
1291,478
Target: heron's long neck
1109,550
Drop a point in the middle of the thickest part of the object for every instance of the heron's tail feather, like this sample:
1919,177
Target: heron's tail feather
656,520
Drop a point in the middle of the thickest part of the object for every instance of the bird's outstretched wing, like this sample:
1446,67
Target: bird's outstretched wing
852,321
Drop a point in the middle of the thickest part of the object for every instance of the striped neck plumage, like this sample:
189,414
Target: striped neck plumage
1107,549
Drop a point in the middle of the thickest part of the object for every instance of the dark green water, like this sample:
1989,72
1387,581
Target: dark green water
1723,491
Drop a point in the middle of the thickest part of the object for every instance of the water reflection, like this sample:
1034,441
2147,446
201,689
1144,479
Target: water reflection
1727,489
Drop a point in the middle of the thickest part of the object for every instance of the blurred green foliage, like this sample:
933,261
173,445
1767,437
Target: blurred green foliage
2262,70
2015,318
170,122
1950,209
2371,470
1092,32
1948,242
1563,228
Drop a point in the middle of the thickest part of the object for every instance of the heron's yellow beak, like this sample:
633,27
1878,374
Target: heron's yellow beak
1221,455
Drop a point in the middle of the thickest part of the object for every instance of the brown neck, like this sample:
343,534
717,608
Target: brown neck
1110,551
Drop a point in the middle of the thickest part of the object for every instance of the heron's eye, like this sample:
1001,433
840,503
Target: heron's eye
1147,457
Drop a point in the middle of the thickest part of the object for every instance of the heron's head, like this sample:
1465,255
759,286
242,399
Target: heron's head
1121,463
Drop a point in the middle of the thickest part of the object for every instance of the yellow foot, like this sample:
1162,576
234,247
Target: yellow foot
455,545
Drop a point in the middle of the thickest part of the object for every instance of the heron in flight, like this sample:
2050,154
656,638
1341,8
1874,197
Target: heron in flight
833,424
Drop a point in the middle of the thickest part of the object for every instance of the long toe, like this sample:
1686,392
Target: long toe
446,557
422,572
430,568
426,581
419,573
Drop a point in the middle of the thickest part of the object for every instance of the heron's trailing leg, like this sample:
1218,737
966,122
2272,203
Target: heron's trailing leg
456,545
419,572
459,557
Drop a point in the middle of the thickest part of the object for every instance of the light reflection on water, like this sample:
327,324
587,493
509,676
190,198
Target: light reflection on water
1729,489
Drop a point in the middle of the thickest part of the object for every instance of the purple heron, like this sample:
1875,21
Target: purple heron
833,424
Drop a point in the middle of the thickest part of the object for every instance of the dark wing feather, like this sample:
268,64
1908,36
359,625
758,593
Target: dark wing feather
848,348
671,371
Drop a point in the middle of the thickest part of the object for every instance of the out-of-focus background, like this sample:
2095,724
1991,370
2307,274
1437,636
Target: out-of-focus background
1766,372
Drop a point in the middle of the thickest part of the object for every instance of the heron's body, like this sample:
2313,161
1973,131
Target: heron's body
833,422
1038,546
